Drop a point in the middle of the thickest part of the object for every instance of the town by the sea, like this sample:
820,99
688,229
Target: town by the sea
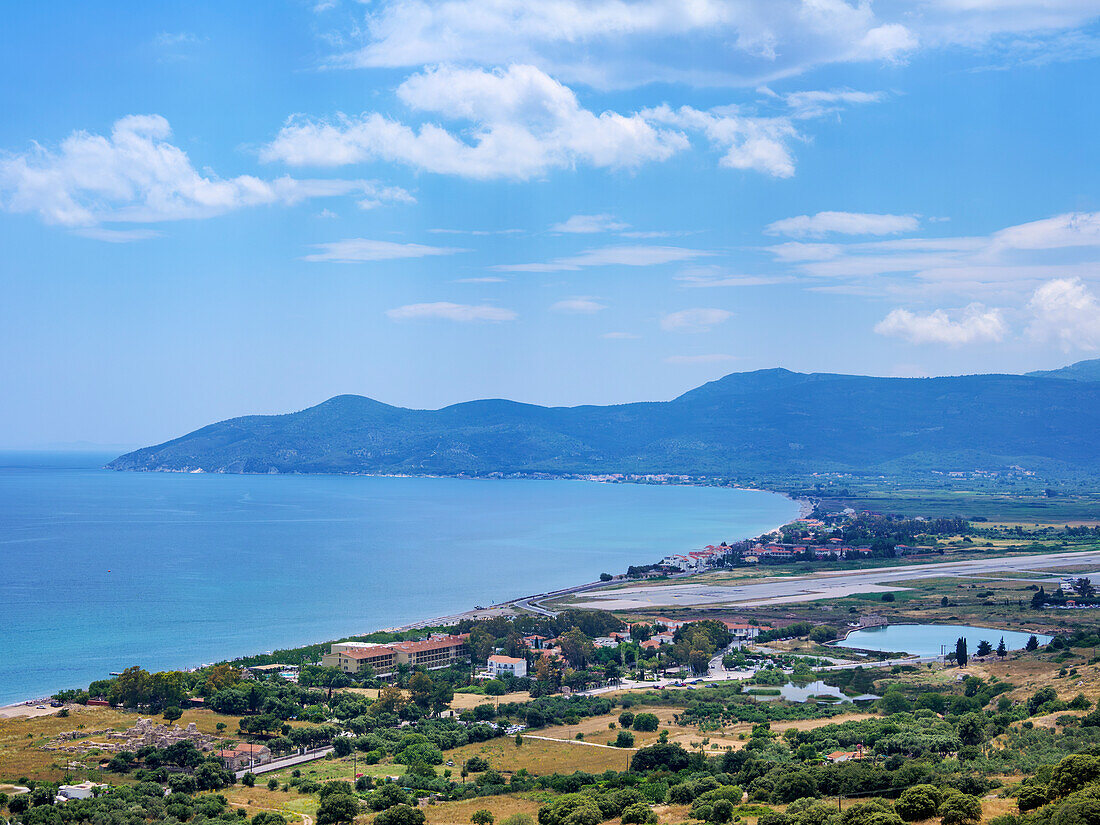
102,570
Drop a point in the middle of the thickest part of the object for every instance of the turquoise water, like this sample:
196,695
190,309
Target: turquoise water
932,639
102,570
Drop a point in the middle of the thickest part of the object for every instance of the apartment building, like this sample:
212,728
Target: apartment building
431,654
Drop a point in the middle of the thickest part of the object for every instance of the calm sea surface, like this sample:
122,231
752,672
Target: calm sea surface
100,570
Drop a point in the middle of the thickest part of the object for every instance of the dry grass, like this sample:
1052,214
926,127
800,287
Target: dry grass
541,757
22,738
465,701
501,807
294,806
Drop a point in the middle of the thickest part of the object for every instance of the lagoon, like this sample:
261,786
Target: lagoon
102,570
933,639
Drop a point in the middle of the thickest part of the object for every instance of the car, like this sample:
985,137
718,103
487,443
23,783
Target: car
40,707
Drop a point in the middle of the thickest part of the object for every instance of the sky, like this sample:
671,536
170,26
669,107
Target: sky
211,209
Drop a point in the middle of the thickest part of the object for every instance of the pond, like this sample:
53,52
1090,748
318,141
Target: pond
794,692
933,639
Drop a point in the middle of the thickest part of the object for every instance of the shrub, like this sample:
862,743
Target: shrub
917,802
482,817
960,809
645,722
626,719
398,815
639,814
625,739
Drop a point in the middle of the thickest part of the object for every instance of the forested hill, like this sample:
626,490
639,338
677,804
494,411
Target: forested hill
747,425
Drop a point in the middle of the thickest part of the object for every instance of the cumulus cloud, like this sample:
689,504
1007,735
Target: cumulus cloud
136,175
694,320
976,324
524,124
760,144
711,358
610,256
520,123
589,224
358,250
578,306
463,313
1067,312
843,223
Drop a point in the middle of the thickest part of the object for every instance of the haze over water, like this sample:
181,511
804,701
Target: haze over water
103,570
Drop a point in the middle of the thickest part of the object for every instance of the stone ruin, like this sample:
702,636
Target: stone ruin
145,733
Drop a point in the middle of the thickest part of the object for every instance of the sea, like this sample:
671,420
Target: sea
101,570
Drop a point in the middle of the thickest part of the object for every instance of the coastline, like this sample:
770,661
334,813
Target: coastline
514,606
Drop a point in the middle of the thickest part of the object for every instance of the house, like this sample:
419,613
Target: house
534,641
605,641
438,651
742,632
85,790
669,624
245,756
507,666
843,756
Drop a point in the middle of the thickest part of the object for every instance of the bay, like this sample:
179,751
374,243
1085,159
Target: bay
101,570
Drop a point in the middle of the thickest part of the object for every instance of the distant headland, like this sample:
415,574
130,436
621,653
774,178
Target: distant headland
750,426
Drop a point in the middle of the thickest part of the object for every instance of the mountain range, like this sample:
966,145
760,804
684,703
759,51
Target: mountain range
746,425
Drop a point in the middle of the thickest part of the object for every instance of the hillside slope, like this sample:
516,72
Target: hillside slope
766,422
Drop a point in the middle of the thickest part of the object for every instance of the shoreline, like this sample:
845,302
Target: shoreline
519,605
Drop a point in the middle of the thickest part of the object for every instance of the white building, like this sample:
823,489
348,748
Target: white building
85,790
507,666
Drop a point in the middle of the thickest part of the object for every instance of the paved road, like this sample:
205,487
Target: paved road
287,762
826,584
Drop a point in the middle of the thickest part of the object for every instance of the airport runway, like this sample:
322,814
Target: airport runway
828,584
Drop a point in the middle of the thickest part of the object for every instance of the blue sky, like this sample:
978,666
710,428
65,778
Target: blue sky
213,209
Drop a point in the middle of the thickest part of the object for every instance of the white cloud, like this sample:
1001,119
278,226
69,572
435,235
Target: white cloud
524,124
620,336
610,256
694,320
358,250
817,103
135,175
476,232
1066,311
627,43
520,123
843,223
589,224
578,306
712,358
451,312
760,144
616,43
976,324
1011,262
1072,229
717,276
101,233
